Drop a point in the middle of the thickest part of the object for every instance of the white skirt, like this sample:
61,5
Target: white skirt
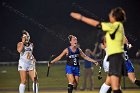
26,65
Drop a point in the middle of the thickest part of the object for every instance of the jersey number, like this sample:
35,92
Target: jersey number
74,61
28,55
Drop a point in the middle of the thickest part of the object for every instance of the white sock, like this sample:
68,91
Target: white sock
104,88
36,87
21,88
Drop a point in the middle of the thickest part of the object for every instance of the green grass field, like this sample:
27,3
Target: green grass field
129,91
9,79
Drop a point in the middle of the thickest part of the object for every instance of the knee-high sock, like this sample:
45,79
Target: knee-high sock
21,88
36,87
70,88
117,91
109,90
137,82
104,88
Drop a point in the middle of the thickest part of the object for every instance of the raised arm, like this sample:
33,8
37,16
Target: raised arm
60,56
95,49
87,20
138,53
87,58
20,46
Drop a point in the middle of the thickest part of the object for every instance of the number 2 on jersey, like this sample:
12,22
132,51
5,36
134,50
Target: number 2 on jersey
28,55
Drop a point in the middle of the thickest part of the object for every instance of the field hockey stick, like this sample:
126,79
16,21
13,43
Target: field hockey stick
35,76
100,70
50,59
99,73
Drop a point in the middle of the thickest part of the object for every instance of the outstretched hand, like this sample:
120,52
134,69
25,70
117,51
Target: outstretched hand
129,46
49,64
76,15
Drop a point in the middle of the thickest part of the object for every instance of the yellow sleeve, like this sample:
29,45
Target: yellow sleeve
109,27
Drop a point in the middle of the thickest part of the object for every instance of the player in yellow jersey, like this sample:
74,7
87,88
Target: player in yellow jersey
114,42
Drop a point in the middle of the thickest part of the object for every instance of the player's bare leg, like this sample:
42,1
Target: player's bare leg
71,79
132,77
23,81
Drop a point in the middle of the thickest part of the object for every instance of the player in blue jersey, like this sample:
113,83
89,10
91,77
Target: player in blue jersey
73,67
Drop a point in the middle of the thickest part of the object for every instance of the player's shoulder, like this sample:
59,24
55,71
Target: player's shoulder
66,49
31,44
79,49
116,24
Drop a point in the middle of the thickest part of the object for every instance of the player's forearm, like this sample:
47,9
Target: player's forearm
138,53
20,47
55,60
89,59
94,51
125,40
19,50
89,21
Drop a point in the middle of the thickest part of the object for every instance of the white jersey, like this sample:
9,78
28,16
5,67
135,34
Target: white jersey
106,63
26,54
26,60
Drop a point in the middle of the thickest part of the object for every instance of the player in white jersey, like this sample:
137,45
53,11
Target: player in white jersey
26,61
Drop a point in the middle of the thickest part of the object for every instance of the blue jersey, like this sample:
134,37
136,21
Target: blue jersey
73,57
73,66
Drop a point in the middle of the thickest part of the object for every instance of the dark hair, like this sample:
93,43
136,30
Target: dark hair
24,32
70,37
119,14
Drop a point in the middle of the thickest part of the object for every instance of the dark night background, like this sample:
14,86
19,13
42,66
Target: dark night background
49,24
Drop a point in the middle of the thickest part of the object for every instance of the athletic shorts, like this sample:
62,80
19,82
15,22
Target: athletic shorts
25,65
117,65
75,70
128,64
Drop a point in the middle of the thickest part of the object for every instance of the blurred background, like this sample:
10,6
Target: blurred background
49,24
